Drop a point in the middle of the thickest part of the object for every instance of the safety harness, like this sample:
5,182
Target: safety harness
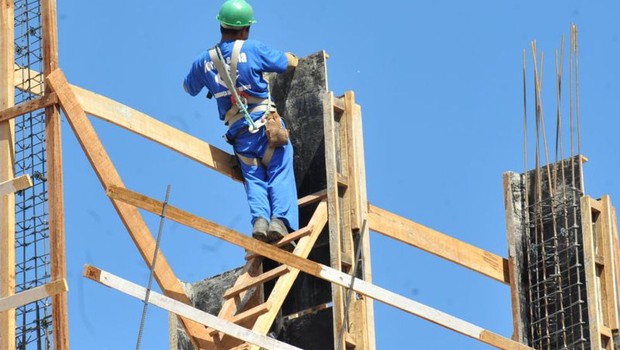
241,100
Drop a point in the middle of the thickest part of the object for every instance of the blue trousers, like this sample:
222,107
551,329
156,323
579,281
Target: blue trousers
271,190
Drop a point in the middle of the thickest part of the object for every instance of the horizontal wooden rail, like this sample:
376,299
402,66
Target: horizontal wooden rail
29,106
32,295
439,244
17,184
316,269
183,310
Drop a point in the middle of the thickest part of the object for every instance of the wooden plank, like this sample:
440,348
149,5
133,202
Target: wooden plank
592,283
55,185
33,294
183,310
141,124
439,244
514,234
616,249
314,269
7,160
154,130
251,313
108,176
29,80
353,171
344,144
17,184
363,326
28,107
252,268
262,278
312,198
333,205
606,249
284,284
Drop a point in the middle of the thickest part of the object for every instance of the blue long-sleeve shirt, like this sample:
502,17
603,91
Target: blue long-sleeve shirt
255,59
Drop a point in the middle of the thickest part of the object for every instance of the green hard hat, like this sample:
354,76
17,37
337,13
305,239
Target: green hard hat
236,14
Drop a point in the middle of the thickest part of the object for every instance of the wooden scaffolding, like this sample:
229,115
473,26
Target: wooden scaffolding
341,206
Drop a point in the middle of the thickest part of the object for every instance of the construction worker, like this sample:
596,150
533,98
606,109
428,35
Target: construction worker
232,71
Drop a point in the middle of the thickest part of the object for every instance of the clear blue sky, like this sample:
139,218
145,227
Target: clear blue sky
439,83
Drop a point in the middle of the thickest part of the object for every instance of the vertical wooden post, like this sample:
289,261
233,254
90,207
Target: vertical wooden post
333,205
513,203
60,312
361,313
7,158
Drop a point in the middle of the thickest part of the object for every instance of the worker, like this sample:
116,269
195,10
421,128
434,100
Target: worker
248,112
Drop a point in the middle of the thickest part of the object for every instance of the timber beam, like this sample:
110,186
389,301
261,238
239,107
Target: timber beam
186,311
33,294
17,184
439,244
28,107
316,269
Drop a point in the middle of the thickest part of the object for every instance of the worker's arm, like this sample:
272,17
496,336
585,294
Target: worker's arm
195,81
293,61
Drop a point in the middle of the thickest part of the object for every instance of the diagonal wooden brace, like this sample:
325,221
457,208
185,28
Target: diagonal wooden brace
131,217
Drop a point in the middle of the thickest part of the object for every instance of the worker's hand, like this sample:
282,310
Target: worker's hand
293,61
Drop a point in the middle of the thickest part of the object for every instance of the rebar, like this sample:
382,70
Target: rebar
557,310
33,321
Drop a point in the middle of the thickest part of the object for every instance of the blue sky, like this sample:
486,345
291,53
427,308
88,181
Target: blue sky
440,85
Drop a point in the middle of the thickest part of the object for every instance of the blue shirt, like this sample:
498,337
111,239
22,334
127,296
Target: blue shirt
255,59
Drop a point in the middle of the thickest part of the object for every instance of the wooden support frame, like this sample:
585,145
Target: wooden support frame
17,184
315,269
183,310
55,189
439,244
141,124
282,286
600,271
28,107
108,176
363,325
34,294
514,230
336,221
285,283
7,159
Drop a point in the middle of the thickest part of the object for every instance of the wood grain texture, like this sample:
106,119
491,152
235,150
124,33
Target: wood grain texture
334,209
55,182
34,294
28,107
7,160
17,184
439,244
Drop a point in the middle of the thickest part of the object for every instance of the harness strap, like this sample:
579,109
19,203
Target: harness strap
247,160
236,52
267,156
254,161
233,115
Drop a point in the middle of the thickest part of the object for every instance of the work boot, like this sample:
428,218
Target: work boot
277,230
259,231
